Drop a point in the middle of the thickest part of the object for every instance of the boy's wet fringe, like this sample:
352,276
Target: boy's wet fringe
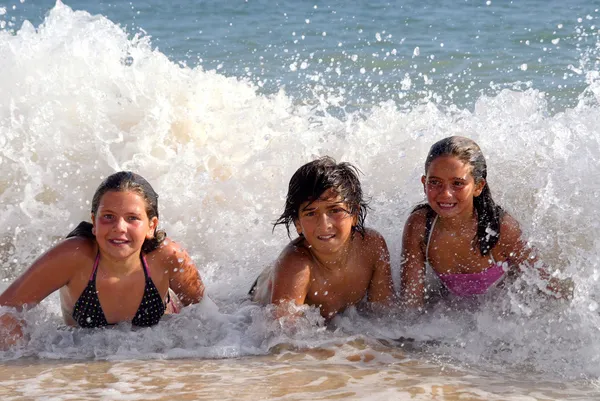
313,179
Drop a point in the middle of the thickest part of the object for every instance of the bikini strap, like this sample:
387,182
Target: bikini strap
95,268
430,220
145,265
147,274
97,261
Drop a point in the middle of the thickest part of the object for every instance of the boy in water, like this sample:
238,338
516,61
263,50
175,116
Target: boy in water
335,261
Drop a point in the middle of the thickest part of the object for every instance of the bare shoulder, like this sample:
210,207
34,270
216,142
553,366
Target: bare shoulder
374,242
72,252
414,228
169,252
511,244
66,258
51,271
373,237
294,258
510,230
291,273
184,277
416,220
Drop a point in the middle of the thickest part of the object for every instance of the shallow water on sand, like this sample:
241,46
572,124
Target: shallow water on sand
366,373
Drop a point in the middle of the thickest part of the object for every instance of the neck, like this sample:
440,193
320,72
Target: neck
119,267
459,223
333,261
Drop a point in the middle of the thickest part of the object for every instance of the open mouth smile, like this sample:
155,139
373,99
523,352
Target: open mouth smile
118,242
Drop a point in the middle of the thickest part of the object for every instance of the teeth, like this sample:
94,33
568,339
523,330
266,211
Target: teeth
326,236
446,204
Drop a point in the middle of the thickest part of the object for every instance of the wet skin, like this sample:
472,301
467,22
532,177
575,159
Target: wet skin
328,266
450,190
121,225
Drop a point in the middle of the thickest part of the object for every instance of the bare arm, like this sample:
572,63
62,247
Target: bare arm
184,277
511,243
521,255
381,288
291,278
48,273
412,291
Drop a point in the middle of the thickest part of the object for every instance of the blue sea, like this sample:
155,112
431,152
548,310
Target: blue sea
217,103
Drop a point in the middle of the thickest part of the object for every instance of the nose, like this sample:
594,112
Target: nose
446,191
324,220
120,225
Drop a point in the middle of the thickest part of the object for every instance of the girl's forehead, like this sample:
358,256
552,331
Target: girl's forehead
449,164
122,199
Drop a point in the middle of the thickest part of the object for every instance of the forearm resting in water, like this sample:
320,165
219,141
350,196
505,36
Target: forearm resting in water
11,330
524,257
554,286
287,309
561,288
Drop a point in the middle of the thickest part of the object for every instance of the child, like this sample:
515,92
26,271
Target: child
119,268
335,261
469,241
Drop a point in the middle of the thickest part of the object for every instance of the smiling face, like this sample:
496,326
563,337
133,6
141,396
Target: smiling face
121,224
450,187
326,223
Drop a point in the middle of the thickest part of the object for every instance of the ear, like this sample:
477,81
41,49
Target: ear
153,223
423,181
93,224
479,188
298,226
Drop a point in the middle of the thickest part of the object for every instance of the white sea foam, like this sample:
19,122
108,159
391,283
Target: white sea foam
82,99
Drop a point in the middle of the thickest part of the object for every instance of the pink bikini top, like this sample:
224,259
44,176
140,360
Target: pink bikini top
468,284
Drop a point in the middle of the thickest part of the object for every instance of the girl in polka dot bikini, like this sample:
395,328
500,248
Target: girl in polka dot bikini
118,268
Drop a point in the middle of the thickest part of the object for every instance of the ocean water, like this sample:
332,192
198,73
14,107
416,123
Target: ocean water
218,103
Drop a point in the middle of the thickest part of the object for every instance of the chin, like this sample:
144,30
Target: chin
331,248
119,252
447,212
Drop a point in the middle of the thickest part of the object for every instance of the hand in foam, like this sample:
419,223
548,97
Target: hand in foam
11,331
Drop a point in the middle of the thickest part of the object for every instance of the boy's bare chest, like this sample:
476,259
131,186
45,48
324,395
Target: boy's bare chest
334,291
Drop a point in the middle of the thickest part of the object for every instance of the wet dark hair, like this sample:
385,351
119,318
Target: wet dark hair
311,180
488,213
121,182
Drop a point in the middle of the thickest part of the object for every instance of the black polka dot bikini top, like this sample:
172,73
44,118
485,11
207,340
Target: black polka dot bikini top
88,312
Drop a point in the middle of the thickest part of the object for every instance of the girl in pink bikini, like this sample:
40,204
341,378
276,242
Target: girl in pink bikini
468,241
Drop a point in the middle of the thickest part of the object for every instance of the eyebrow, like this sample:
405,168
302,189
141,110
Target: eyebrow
452,178
309,208
107,210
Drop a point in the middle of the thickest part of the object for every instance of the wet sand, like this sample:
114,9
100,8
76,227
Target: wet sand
364,374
